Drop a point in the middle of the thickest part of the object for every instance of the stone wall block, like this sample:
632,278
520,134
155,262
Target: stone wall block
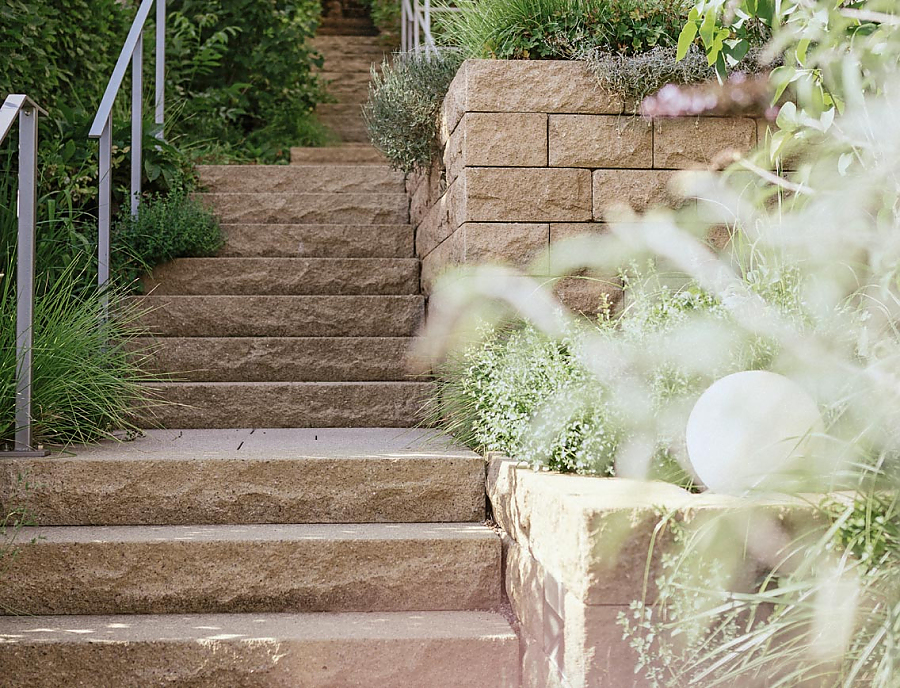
534,86
537,669
524,582
505,139
683,143
528,195
454,152
518,244
600,141
596,655
448,254
454,105
640,189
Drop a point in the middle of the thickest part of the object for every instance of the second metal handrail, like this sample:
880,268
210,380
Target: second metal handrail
133,53
24,109
415,25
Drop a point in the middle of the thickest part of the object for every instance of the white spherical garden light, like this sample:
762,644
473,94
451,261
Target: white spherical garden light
752,431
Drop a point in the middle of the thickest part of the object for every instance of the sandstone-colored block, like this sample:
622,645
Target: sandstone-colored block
566,230
280,316
318,241
424,189
589,294
285,405
454,154
453,108
387,650
524,583
536,86
505,139
282,568
527,195
538,671
231,477
300,179
640,189
284,276
600,141
449,254
683,143
445,216
311,208
596,655
276,359
519,244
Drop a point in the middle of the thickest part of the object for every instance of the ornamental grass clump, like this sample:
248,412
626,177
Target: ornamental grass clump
404,100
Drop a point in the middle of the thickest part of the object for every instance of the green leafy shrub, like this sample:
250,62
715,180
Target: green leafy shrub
386,16
85,382
560,29
165,228
404,101
252,82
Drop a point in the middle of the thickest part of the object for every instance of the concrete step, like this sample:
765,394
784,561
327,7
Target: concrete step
313,208
277,359
287,405
387,650
357,179
253,568
285,276
281,316
345,81
318,241
294,475
337,155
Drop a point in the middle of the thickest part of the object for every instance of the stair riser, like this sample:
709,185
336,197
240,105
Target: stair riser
249,654
288,405
281,316
337,155
318,241
273,359
303,208
198,276
163,491
309,575
356,62
351,129
288,179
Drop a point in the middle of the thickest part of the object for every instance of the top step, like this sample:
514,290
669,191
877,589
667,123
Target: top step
304,475
347,178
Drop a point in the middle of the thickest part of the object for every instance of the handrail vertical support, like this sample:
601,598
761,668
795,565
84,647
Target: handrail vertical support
104,208
137,118
160,66
27,212
416,24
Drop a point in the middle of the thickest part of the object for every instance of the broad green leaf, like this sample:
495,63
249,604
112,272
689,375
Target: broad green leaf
685,39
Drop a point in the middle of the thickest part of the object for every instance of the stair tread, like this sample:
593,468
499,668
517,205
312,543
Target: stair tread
245,627
45,536
317,240
343,179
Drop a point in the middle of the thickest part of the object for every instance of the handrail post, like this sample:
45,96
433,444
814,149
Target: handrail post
160,66
28,137
137,122
416,24
429,41
404,27
104,208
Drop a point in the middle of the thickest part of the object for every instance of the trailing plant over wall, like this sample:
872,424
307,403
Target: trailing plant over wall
404,101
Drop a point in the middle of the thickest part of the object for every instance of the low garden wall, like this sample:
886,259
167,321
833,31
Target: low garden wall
533,152
575,556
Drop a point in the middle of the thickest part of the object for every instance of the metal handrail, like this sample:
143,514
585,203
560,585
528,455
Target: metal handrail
27,111
133,52
415,25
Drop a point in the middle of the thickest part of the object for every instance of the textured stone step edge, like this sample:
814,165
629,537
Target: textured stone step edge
250,240
252,476
285,277
278,359
281,316
300,179
253,568
313,208
388,650
337,155
285,405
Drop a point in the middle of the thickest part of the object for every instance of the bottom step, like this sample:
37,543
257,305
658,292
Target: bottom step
392,650
288,404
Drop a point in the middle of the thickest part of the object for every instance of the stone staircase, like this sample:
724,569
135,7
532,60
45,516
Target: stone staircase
320,558
304,318
348,61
